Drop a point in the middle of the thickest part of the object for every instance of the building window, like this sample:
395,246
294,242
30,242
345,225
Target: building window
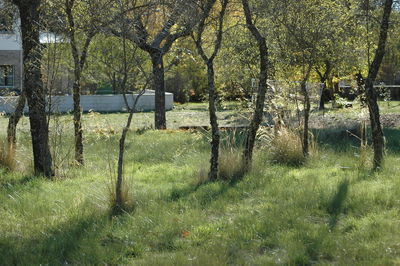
6,21
6,76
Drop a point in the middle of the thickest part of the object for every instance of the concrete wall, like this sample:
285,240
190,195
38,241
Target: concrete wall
97,103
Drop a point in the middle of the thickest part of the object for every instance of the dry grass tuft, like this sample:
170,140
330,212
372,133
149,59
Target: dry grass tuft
231,165
128,202
286,148
7,156
201,174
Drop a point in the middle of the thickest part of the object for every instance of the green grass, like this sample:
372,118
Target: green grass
328,211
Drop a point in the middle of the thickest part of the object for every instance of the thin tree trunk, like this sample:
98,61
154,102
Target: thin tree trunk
212,94
321,105
377,131
371,94
78,132
79,63
33,86
215,134
118,186
307,108
13,122
157,61
262,87
323,80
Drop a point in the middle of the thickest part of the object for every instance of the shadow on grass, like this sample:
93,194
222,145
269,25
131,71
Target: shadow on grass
19,181
342,139
335,207
60,245
206,192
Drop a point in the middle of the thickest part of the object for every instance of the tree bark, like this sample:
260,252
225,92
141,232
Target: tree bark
79,63
212,94
307,108
13,122
371,94
323,79
160,121
33,86
78,132
215,134
262,87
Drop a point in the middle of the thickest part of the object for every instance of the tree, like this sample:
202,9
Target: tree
29,13
88,27
371,93
176,18
304,29
120,205
262,86
209,62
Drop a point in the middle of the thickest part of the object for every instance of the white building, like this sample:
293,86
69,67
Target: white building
11,75
10,53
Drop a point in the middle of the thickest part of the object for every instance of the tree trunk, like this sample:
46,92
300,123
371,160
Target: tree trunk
371,94
307,108
215,134
323,80
78,121
262,87
33,86
157,61
377,132
13,122
79,63
321,105
118,186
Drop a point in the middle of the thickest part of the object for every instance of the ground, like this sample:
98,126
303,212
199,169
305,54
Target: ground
331,210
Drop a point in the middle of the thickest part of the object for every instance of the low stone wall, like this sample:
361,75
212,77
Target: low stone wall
97,103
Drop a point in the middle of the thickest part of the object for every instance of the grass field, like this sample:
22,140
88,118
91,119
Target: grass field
331,210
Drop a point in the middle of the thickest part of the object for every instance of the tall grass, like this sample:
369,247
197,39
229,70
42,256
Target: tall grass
321,213
284,147
230,164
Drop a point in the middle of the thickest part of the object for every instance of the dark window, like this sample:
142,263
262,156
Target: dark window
6,21
6,76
